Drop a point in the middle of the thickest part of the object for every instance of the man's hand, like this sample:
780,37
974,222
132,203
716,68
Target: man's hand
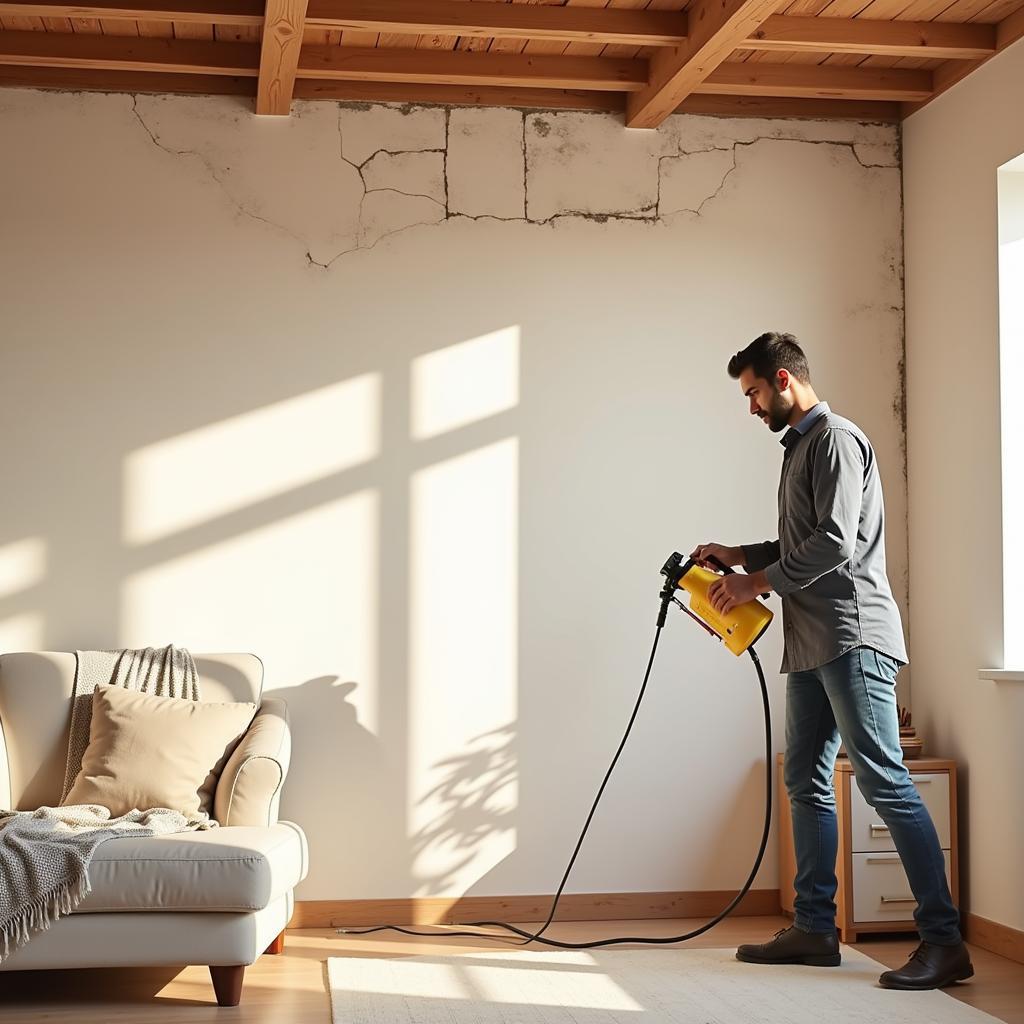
726,555
729,591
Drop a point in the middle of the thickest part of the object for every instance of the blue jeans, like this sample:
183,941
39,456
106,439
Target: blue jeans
854,697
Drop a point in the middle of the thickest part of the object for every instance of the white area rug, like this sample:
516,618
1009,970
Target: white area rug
601,986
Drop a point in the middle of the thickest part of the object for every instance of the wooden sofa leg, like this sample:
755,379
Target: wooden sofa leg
227,983
277,946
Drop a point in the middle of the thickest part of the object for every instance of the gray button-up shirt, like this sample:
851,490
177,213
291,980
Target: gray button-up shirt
828,564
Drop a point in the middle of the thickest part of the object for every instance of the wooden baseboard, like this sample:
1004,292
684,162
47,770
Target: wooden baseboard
614,906
995,937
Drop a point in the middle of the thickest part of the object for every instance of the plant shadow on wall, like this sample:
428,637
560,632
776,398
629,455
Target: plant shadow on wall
474,801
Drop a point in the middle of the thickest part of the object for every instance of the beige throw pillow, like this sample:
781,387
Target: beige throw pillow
147,751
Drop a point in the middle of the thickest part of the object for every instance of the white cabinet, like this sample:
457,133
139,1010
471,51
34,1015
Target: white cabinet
881,891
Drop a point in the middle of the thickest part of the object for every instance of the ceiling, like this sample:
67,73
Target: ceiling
865,59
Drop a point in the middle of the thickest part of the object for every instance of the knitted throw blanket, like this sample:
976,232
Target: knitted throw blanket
45,854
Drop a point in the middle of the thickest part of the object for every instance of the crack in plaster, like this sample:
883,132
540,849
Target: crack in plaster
651,213
240,208
358,168
682,153
526,174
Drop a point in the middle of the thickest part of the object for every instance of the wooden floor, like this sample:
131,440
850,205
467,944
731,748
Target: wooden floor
292,987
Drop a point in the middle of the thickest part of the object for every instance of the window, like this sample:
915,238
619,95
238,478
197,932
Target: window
1011,348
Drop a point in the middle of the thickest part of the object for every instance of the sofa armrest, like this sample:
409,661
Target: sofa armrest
249,788
5,773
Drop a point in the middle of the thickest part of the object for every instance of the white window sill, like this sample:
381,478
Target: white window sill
1002,675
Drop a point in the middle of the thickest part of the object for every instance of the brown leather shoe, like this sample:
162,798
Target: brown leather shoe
931,966
793,946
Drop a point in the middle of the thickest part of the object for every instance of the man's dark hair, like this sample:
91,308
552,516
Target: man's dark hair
769,354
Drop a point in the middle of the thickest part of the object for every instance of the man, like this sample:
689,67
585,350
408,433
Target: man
843,646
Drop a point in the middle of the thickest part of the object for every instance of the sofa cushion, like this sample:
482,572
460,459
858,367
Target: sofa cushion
224,869
147,751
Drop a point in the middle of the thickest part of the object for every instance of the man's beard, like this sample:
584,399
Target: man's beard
778,414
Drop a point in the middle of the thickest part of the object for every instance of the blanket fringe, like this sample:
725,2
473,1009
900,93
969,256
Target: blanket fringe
38,915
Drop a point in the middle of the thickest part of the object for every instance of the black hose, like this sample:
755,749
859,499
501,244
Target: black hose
536,936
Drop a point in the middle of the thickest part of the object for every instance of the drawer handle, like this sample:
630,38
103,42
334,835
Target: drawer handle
893,858
898,899
879,828
919,782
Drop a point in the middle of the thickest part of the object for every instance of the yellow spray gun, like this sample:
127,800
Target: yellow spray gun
737,629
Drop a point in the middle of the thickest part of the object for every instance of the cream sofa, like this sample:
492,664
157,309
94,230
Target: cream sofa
220,897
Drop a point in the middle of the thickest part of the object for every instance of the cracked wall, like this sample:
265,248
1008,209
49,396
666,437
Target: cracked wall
174,267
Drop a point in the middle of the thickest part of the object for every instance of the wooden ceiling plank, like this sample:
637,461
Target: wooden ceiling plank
834,9
191,30
119,26
621,49
715,27
459,67
511,21
127,53
283,26
161,29
86,26
21,22
205,12
852,35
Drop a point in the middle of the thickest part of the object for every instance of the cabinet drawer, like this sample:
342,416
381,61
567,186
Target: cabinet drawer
881,891
868,831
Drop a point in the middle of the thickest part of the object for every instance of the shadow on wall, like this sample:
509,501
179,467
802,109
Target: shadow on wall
351,778
473,807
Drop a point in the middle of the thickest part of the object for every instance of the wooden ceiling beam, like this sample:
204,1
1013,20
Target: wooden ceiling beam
199,57
928,39
104,80
463,67
196,12
506,21
820,81
565,99
284,24
716,27
128,53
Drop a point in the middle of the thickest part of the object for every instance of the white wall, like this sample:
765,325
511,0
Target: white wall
317,388
952,149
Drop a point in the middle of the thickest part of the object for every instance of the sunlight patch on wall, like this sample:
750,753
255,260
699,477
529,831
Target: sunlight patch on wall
465,383
300,593
188,479
463,786
22,565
